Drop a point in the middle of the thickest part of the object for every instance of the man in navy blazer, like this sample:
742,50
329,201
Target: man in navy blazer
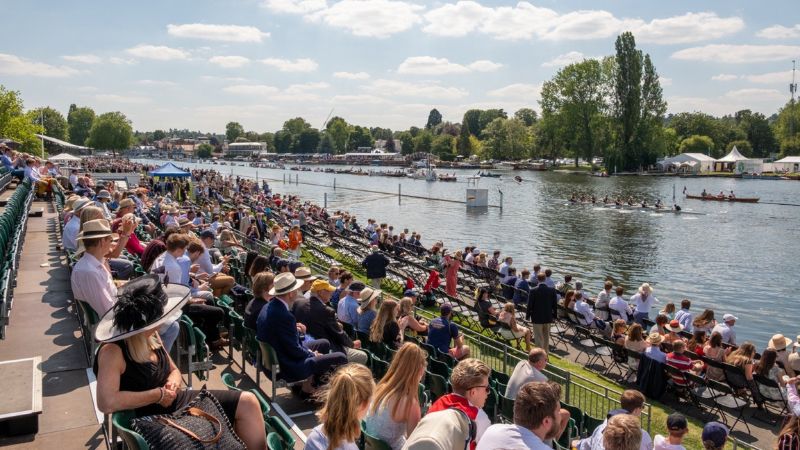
277,326
542,311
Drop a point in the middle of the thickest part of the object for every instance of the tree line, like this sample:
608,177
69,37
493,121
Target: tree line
611,108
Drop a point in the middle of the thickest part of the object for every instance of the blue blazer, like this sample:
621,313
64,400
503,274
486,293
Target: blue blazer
277,327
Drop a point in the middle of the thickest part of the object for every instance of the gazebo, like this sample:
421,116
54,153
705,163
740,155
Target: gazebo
728,162
170,170
64,158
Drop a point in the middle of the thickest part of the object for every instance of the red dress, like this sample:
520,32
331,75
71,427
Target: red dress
451,275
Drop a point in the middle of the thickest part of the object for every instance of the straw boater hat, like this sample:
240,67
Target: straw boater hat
142,304
80,204
779,342
285,283
655,339
674,326
70,201
94,229
304,273
126,202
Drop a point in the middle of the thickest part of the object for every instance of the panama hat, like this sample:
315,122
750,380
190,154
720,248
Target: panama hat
674,326
104,194
126,202
80,204
93,229
368,295
304,273
449,429
70,202
779,342
285,283
143,304
655,339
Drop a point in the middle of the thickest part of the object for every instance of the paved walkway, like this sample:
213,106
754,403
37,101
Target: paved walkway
43,324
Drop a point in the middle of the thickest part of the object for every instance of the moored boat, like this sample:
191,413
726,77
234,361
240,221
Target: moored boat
714,198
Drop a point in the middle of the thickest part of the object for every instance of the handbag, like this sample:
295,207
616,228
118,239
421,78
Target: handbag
201,424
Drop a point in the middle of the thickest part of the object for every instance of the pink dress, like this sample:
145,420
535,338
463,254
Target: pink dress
451,275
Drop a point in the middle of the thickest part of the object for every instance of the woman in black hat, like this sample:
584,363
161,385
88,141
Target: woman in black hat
135,372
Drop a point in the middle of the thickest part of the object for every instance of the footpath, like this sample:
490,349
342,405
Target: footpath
43,324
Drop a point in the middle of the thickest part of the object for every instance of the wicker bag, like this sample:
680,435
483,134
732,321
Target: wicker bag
201,424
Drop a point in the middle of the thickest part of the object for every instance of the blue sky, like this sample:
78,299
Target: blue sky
198,64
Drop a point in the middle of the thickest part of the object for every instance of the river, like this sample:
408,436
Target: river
736,258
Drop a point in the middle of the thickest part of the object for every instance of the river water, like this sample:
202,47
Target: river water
736,258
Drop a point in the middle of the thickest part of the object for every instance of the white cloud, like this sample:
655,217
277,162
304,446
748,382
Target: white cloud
122,61
770,78
127,99
429,65
369,18
526,21
16,66
157,52
222,33
727,53
725,77
755,94
305,87
780,32
484,65
429,89
665,81
229,62
251,89
83,59
520,91
565,59
156,83
294,6
351,75
288,65
690,27
362,99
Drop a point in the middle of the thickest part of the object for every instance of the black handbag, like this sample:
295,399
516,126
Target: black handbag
201,424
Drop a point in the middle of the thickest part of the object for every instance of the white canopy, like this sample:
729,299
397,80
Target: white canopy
65,157
790,160
733,156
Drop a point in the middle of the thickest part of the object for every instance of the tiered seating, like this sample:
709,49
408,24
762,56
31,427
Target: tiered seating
13,222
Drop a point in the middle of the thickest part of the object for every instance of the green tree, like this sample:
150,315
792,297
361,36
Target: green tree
443,146
326,144
471,123
527,116
359,137
506,139
110,131
16,125
157,135
434,118
283,141
743,145
697,144
339,131
463,145
406,142
759,133
575,94
79,122
307,141
233,130
652,116
391,146
205,150
53,122
423,142
486,117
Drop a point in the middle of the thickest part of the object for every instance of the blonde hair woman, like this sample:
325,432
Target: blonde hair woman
395,410
345,400
385,327
407,319
508,317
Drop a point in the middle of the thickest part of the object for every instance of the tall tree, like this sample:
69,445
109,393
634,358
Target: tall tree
339,131
697,144
463,146
110,131
391,146
443,146
326,144
486,117
359,137
471,123
527,116
158,135
406,142
307,141
652,116
233,130
14,124
53,122
423,142
283,141
434,118
576,95
759,133
506,139
79,122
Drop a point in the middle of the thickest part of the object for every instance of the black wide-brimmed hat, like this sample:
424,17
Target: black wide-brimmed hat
142,304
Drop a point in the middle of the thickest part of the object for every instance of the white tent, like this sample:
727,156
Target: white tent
691,162
63,157
729,162
788,164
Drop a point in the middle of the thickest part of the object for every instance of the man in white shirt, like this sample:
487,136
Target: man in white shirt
73,178
643,301
70,234
603,300
527,371
726,329
470,258
537,418
91,277
506,264
586,315
632,403
220,283
619,307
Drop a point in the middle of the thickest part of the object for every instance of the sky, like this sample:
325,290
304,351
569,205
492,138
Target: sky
199,64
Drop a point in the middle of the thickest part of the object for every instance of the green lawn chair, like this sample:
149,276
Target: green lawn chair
122,422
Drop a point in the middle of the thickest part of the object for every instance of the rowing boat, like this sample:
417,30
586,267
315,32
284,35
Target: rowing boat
639,207
724,199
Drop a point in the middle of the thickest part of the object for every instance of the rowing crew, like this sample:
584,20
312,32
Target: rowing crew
721,194
617,201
